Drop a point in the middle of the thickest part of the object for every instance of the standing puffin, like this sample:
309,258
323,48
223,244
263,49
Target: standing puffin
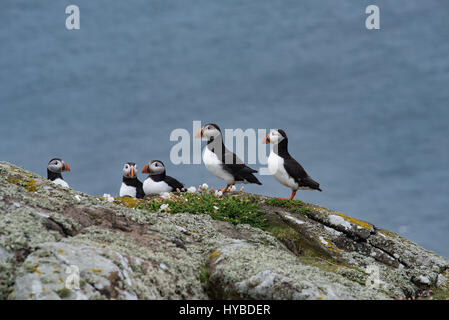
131,185
158,182
54,169
221,162
284,168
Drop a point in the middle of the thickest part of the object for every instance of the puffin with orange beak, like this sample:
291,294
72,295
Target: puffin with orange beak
158,182
284,168
131,185
54,169
221,162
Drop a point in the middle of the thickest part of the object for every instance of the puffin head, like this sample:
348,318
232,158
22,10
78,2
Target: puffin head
56,165
210,130
154,167
130,170
275,137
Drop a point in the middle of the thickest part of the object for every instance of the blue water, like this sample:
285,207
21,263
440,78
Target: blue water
366,111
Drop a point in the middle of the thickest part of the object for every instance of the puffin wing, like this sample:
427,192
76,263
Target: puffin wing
172,182
238,169
140,194
297,172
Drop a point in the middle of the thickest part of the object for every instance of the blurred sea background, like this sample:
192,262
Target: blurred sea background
366,112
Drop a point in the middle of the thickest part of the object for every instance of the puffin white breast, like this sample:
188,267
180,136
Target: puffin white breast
61,182
126,190
215,166
277,169
153,187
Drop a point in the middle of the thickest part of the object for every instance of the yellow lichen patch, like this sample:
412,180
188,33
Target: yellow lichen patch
61,251
31,295
29,184
96,270
14,181
319,298
328,244
127,201
360,223
36,271
213,256
387,233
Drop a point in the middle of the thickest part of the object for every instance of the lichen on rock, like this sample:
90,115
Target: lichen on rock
238,246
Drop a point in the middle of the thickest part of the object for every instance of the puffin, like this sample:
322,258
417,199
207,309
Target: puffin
284,168
131,185
54,169
158,182
221,162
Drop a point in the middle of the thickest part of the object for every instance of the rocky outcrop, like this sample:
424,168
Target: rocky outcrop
57,243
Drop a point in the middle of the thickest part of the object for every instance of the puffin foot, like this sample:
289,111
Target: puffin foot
291,196
225,189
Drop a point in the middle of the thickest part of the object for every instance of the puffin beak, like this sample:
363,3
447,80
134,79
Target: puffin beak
146,169
199,133
65,166
266,140
132,173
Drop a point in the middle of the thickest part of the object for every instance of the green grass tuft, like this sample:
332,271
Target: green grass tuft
204,274
236,209
283,203
295,206
304,211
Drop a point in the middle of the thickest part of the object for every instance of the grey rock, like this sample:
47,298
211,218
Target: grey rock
51,236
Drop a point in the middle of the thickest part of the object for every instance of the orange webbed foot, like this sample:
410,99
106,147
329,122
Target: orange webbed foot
291,196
